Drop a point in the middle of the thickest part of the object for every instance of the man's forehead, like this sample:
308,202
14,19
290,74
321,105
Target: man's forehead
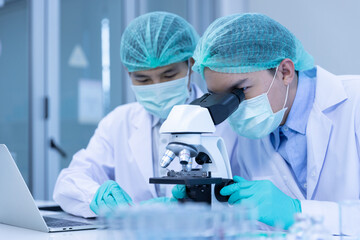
211,76
159,70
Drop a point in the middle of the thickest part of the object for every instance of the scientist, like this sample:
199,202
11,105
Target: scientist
125,150
300,124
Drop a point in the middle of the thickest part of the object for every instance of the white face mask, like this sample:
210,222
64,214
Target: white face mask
254,118
158,99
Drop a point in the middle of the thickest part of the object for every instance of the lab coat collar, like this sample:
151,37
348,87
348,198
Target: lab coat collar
329,92
156,120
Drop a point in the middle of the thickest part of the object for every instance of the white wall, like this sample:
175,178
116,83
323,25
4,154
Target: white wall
328,29
229,7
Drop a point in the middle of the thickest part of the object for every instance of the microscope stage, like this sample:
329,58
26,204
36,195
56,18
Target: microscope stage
185,180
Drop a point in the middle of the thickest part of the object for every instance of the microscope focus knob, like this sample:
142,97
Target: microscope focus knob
202,158
225,182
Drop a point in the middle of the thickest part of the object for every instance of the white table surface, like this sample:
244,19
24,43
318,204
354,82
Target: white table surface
17,233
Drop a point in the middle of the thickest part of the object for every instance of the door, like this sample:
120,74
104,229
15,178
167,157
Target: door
91,80
14,83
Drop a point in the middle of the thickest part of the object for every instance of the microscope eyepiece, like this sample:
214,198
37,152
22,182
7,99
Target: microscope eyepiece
220,106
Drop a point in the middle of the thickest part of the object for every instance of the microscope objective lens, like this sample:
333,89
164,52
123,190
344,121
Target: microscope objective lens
167,158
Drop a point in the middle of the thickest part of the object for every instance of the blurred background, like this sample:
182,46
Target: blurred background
60,69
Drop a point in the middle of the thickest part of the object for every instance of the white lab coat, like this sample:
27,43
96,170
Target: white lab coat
333,151
120,150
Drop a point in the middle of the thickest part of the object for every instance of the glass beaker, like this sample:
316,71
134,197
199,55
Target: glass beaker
349,220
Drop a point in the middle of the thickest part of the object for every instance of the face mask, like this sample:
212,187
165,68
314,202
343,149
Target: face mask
254,118
158,99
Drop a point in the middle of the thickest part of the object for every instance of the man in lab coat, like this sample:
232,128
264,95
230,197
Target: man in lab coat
125,150
299,124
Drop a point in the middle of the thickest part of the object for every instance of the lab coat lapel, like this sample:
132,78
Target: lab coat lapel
282,170
141,147
319,127
316,148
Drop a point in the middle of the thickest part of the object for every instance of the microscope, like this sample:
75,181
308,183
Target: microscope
191,127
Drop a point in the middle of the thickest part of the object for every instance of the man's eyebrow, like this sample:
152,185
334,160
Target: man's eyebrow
169,70
140,75
239,82
242,81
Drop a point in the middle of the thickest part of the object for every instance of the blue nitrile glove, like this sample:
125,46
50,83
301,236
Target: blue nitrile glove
273,206
179,191
163,200
109,196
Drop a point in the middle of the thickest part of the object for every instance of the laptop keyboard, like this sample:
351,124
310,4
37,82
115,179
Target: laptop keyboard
58,223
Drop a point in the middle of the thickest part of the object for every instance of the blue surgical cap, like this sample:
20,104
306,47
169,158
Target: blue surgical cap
248,42
157,39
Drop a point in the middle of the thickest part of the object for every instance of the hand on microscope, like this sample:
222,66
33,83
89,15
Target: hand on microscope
109,196
179,191
274,208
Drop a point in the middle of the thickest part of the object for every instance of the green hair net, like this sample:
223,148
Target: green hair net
157,39
248,42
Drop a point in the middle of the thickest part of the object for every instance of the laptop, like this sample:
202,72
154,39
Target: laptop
18,208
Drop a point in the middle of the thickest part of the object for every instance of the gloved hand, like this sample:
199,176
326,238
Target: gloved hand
179,191
164,200
109,196
273,206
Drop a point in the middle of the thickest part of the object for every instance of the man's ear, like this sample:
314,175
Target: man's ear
287,70
192,62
